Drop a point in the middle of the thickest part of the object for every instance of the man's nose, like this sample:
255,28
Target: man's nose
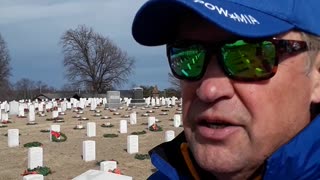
214,84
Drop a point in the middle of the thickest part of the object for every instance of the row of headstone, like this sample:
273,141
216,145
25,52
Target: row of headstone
13,134
113,100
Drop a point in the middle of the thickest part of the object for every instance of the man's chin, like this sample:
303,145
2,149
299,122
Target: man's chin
221,166
218,160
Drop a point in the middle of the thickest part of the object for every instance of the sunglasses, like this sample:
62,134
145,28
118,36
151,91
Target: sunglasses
242,60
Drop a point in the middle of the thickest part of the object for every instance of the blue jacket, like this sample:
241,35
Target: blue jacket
299,159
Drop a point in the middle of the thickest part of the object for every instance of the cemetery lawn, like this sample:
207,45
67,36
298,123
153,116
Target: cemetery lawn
64,158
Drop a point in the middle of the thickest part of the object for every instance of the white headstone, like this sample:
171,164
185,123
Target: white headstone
153,102
69,105
89,150
4,117
91,129
31,114
101,175
40,107
13,137
33,177
36,105
6,107
151,121
14,108
35,157
93,105
21,111
55,128
169,135
176,120
108,165
55,114
48,106
64,106
132,144
123,126
133,118
173,101
157,101
163,101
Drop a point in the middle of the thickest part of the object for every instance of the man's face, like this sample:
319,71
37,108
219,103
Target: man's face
233,126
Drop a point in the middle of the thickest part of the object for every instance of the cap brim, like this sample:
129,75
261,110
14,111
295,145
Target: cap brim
157,20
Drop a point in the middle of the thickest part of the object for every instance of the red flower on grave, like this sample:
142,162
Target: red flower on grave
26,172
116,171
55,134
155,127
5,122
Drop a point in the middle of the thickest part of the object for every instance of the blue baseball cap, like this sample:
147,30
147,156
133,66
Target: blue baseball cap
157,20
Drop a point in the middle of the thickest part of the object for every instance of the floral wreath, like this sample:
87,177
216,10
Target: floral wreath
56,135
38,170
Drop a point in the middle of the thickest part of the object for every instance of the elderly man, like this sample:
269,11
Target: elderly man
250,73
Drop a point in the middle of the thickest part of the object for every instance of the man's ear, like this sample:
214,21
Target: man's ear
315,75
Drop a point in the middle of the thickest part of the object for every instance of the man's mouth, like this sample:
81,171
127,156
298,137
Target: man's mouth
216,129
215,124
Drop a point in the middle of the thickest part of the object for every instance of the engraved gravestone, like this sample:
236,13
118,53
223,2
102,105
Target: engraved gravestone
91,129
108,165
35,157
89,150
113,99
137,97
132,144
13,137
14,108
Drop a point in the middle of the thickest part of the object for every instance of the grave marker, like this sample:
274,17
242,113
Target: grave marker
137,97
55,114
169,135
123,126
108,165
113,99
133,118
21,111
176,120
33,177
31,114
132,144
151,121
14,108
89,150
4,116
91,129
13,137
55,128
35,157
101,175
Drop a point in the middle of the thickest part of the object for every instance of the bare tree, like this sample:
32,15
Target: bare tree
24,88
5,70
94,61
28,89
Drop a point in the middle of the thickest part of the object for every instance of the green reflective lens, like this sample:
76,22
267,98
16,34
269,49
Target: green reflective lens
249,60
187,62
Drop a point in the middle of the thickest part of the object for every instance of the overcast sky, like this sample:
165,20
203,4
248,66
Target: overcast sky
33,28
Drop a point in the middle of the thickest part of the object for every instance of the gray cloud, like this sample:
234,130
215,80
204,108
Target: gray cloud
33,29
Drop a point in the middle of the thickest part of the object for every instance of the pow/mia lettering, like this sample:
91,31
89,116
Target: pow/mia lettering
242,18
